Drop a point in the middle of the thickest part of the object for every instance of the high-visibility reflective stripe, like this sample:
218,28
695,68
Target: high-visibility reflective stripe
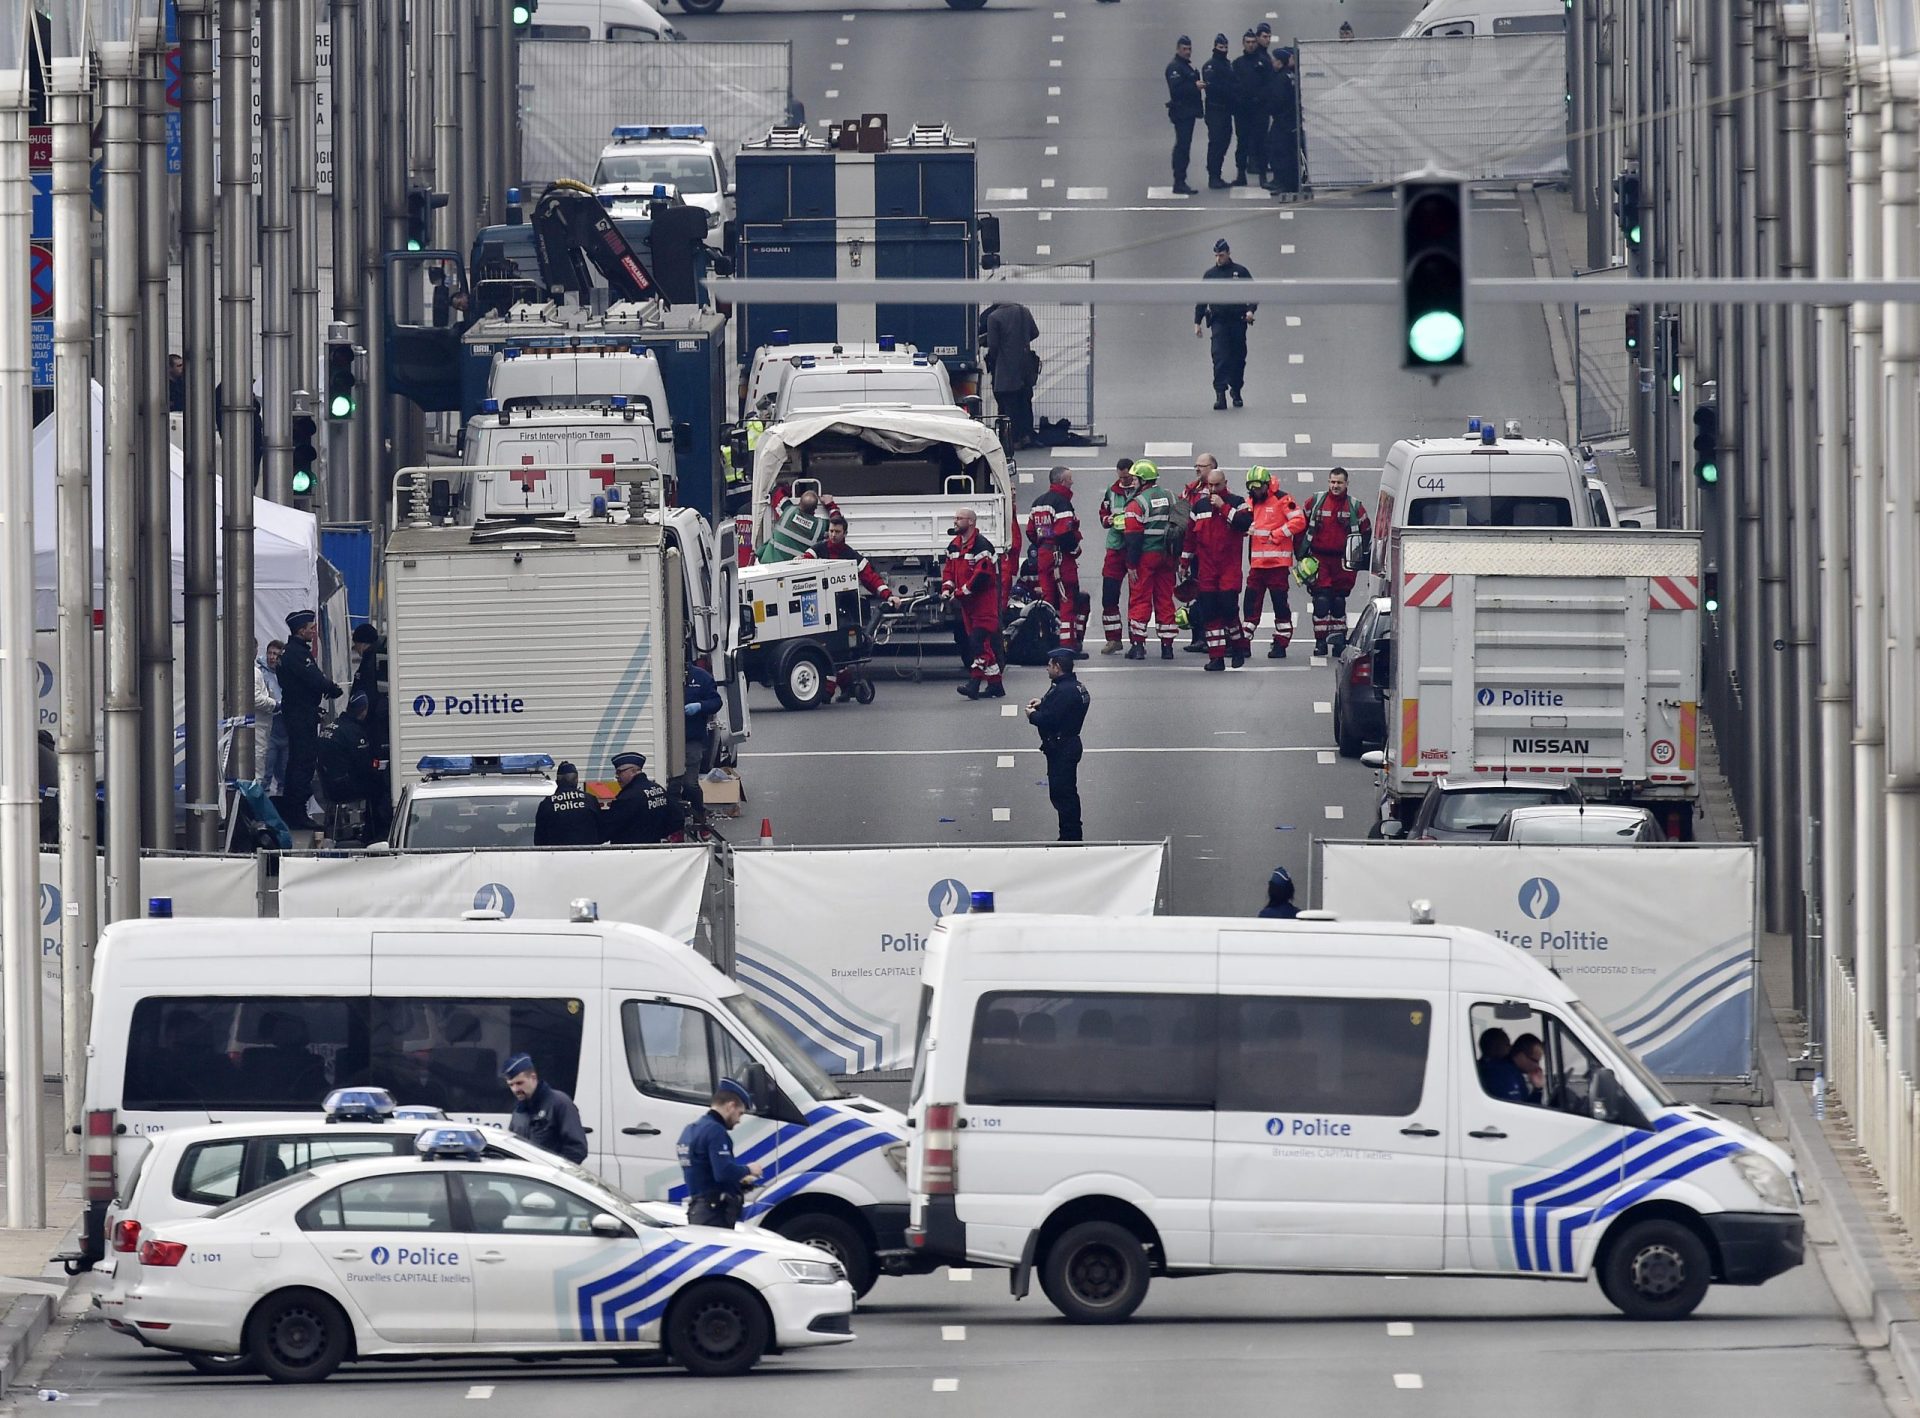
1409,732
1689,735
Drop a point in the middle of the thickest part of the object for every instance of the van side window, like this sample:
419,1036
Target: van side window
1092,1051
630,34
1311,1054
411,1201
447,1053
1450,29
289,1156
1540,1062
242,1052
577,34
676,1051
209,1172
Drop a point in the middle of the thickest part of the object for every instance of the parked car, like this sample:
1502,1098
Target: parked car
1361,674
1470,811
1605,824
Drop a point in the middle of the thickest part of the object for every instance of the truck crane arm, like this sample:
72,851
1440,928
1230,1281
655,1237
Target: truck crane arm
571,228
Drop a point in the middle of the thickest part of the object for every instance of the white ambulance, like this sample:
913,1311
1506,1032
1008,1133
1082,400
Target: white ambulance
1103,1101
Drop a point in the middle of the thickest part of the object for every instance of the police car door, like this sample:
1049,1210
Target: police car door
675,1052
390,1239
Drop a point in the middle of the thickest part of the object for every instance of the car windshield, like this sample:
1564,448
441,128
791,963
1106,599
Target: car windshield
505,820
1490,512
260,1194
1571,827
1480,810
776,1041
851,391
1630,1060
686,172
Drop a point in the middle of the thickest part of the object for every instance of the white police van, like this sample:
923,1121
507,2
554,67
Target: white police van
1103,1101
649,162
198,1021
453,1253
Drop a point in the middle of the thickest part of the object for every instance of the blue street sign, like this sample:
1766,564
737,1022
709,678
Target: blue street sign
173,144
42,206
43,354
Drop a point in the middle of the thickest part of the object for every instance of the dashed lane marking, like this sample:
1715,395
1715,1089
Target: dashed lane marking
1086,194
1058,38
1043,250
833,93
480,1391
1293,322
1407,1381
1054,119
1319,662
1296,359
1050,151
1045,183
842,39
1003,814
953,1385
1053,91
954,1332
1323,706
1006,194
1356,450
1070,453
1286,250
1306,477
1286,216
1007,711
1249,194
836,67
959,1275
1303,438
1053,63
1026,477
1005,760
1168,450
1165,194
1327,755
1263,450
1299,398
1399,1329
1046,216
1336,814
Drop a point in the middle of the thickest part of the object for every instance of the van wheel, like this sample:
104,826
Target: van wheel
966,4
297,1336
1096,1273
717,1329
839,1240
221,1365
802,681
1657,1270
701,7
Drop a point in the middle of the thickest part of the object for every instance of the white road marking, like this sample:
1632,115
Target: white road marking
1286,250
1336,814
1169,450
1306,477
959,1275
1053,63
1086,194
1006,194
843,40
1299,398
1059,39
836,66
1293,322
1327,755
833,93
1319,662
1026,477
1399,1381
1053,118
1003,814
953,1332
1005,760
1249,194
1303,438
1263,450
1059,14
1053,91
1229,733
1043,250
1296,359
848,19
1356,450
1399,1329
1083,670
1007,711
480,1391
1046,182
1050,151
1286,216
953,1385
1323,706
1165,194
1046,216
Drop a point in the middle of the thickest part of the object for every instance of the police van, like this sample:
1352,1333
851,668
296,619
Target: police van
197,1021
1098,1102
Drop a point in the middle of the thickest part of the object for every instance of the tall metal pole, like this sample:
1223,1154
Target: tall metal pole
306,198
236,379
401,419
493,78
1745,367
370,421
471,188
202,651
348,120
446,122
278,381
120,95
156,501
70,106
19,677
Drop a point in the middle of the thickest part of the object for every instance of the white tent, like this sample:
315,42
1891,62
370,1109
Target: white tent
286,543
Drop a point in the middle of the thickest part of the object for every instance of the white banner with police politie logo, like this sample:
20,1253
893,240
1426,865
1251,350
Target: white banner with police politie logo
1659,941
829,941
658,887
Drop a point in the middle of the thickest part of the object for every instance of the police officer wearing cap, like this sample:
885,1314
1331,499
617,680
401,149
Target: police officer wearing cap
1059,715
542,1114
302,686
1217,79
571,816
1183,108
1279,905
642,813
1229,326
1253,74
716,1179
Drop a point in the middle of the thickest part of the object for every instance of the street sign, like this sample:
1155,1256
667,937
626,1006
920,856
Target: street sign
40,279
42,205
43,354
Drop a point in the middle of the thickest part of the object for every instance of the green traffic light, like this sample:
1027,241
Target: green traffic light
341,406
1676,384
1437,336
522,14
1713,605
302,481
1708,473
1633,236
413,243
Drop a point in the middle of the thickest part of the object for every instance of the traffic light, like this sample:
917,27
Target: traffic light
343,379
1434,273
1626,206
1633,332
422,203
1711,586
306,456
1706,445
522,12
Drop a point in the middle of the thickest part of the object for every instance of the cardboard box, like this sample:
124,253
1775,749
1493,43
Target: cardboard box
723,792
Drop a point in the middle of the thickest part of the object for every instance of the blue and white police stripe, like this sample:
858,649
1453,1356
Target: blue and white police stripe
798,1155
841,1037
618,1305
1665,1014
1549,1211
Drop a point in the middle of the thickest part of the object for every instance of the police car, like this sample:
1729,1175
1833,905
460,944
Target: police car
454,1253
475,801
651,162
185,1173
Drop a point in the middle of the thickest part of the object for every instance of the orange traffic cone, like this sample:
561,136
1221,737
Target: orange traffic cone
766,832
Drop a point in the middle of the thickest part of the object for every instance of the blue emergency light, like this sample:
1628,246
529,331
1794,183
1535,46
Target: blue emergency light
660,189
808,361
358,1105
160,908
980,903
451,1144
781,337
919,361
638,350
619,401
510,352
419,1113
489,406
640,132
1473,426
1488,435
887,342
455,765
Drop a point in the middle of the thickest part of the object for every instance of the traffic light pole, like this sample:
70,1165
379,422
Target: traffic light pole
236,388
343,462
277,381
156,495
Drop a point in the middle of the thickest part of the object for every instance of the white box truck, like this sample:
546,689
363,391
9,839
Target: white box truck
536,635
1546,656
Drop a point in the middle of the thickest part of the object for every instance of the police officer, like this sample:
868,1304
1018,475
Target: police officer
1252,73
716,1179
370,677
1184,108
1229,326
1283,131
347,765
703,701
543,1115
1279,905
1217,78
641,814
1059,715
302,686
571,816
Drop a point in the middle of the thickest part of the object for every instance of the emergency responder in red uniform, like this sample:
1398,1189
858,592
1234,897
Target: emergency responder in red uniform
835,548
1146,526
1331,516
1113,570
1215,546
1054,529
1277,521
970,580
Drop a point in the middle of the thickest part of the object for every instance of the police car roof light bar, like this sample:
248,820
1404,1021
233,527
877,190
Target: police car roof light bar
419,1113
641,132
451,1145
449,765
358,1105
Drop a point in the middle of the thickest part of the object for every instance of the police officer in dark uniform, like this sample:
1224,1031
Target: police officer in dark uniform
1229,325
370,677
303,684
1059,715
1280,905
716,1179
571,817
1184,108
642,813
1252,73
1217,78
1283,136
543,1115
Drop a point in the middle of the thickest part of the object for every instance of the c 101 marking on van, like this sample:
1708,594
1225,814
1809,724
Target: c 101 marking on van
1308,1127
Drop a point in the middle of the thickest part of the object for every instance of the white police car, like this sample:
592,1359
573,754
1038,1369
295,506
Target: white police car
187,1172
452,1254
647,162
476,801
